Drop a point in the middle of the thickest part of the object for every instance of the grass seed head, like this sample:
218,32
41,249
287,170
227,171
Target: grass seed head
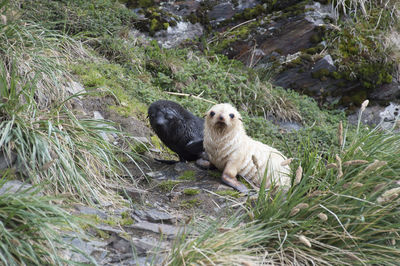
299,175
294,211
322,216
305,241
389,195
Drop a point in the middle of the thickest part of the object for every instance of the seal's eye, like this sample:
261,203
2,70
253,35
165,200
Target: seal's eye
232,115
212,113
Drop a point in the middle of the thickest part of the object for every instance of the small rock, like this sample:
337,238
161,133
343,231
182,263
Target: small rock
165,229
324,63
154,215
146,244
90,211
14,186
109,229
160,175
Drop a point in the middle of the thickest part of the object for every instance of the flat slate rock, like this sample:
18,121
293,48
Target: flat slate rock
90,211
165,229
154,216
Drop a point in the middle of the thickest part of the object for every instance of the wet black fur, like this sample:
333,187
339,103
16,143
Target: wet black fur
177,128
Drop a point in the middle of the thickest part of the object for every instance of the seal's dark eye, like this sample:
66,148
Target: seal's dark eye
212,113
232,115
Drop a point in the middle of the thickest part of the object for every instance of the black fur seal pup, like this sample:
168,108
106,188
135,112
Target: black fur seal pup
178,129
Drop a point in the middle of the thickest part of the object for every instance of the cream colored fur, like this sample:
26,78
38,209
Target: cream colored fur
247,157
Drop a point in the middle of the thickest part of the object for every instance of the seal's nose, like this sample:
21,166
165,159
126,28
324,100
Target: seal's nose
221,118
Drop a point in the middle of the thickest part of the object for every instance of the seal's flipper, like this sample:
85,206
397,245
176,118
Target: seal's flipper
233,182
195,146
167,161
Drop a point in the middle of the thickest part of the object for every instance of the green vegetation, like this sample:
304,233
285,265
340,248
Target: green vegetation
168,185
188,175
191,191
188,204
231,193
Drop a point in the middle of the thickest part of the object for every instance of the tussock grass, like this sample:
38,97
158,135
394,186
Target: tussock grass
54,147
30,228
38,55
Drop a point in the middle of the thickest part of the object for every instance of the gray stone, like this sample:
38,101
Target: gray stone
146,244
325,63
386,92
173,36
165,229
90,211
154,215
160,175
109,229
221,12
14,186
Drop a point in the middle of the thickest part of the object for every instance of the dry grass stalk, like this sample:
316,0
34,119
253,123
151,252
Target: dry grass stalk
354,162
339,165
323,216
299,175
305,240
352,185
340,134
287,162
331,165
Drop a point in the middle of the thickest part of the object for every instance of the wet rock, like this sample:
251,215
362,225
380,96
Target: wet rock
174,36
221,12
90,211
317,13
15,186
165,229
159,175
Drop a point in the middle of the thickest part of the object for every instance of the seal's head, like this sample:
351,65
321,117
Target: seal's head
223,117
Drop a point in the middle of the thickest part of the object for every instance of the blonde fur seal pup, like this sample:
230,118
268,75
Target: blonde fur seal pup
233,152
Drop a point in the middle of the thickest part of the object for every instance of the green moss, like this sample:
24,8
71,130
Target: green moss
231,193
168,185
188,204
191,191
189,175
320,74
